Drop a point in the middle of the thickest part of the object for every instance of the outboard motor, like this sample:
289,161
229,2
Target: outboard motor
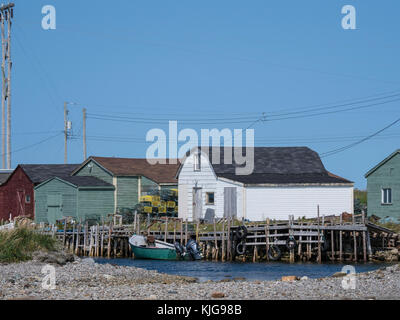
180,250
192,248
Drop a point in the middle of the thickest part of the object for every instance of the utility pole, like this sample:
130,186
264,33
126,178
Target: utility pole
3,93
65,132
6,15
84,134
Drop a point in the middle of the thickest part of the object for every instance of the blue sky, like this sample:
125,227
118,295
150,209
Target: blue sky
205,60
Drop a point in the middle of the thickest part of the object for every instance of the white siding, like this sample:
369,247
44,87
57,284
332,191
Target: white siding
280,202
259,203
219,212
205,179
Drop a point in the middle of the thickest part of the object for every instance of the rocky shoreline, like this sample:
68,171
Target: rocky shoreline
85,279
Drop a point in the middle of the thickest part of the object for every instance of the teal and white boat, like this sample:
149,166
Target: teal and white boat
149,248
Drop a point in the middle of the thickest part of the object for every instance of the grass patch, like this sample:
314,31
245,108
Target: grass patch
390,225
18,244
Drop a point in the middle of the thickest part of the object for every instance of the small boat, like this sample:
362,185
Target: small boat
147,247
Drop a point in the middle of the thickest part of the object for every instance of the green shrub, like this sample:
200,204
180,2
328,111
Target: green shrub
19,244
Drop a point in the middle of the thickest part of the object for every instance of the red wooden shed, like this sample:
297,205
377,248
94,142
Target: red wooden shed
16,193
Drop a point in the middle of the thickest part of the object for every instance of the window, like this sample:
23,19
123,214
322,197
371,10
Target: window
197,161
27,198
386,196
210,198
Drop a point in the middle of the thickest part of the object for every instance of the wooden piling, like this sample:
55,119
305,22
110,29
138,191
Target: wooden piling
319,238
215,241
109,240
341,241
181,238
97,241
102,238
229,249
65,231
174,231
223,241
186,231
197,231
354,239
78,239
267,239
332,241
299,246
364,234
73,237
166,229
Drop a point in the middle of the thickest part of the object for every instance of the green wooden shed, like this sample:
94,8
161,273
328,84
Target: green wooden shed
82,198
383,187
131,177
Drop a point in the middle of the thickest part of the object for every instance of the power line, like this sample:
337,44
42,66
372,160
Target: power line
267,117
247,115
278,140
37,143
215,55
335,151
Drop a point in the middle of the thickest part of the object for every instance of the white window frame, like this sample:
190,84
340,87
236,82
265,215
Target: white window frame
197,162
387,195
207,199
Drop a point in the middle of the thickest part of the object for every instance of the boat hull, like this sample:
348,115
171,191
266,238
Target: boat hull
154,253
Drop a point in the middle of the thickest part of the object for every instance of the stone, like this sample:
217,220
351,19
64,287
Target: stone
289,278
339,274
239,279
88,261
217,295
304,278
53,257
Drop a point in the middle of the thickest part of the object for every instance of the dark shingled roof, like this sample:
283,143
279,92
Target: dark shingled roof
160,173
82,181
278,165
39,173
4,174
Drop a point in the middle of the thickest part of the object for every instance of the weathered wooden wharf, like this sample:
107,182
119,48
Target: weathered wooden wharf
346,237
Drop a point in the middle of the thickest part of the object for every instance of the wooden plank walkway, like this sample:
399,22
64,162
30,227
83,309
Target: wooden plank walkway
312,240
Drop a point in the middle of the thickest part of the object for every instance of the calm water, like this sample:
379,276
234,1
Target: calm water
207,270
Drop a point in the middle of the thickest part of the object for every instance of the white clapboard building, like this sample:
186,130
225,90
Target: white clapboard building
285,181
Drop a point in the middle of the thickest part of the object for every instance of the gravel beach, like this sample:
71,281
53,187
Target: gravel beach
85,279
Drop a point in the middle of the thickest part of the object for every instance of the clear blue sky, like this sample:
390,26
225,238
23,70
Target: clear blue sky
206,59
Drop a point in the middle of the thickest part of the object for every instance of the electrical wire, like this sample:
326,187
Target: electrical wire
335,151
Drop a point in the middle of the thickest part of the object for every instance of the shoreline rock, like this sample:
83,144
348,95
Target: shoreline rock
82,279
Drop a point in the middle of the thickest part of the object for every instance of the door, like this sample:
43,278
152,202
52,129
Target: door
20,205
197,204
54,207
230,201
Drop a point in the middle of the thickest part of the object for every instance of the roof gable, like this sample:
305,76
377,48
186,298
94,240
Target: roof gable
159,173
384,161
39,173
274,165
79,182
